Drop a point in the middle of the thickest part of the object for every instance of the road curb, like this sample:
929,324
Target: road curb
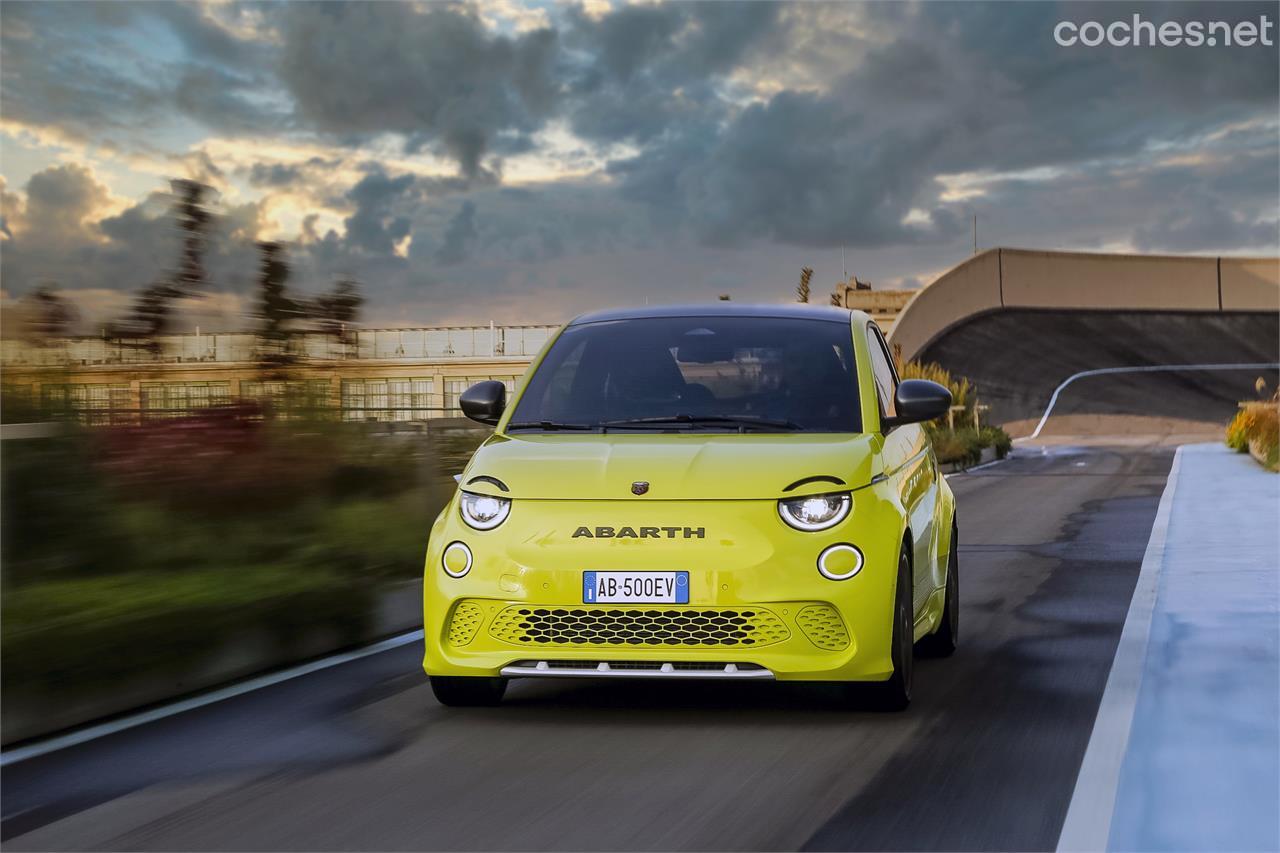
1087,826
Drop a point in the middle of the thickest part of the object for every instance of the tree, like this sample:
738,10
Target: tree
802,292
836,301
276,310
152,310
48,315
193,221
339,308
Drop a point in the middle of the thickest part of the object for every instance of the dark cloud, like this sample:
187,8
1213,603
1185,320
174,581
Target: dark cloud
759,137
274,174
434,75
376,226
459,236
224,100
646,69
952,88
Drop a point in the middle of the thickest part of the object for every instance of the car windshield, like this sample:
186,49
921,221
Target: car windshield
717,374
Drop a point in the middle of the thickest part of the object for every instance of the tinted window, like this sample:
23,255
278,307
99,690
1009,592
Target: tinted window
882,368
784,373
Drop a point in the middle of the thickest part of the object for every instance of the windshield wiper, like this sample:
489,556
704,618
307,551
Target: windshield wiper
548,426
741,421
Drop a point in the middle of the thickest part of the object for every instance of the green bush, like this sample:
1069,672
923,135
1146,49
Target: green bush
138,550
71,637
965,445
994,436
956,446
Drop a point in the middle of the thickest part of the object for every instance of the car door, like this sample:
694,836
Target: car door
910,467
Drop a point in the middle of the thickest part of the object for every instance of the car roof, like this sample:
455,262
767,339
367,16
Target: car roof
795,310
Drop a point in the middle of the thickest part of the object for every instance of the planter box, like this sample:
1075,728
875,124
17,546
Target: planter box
988,455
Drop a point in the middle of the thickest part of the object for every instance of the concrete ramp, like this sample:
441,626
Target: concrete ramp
1019,322
1018,358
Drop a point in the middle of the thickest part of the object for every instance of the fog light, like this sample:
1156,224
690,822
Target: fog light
456,559
840,562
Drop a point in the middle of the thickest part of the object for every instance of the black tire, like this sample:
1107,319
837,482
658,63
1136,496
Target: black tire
895,694
942,642
467,692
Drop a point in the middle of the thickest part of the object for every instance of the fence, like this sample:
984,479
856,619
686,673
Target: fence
442,342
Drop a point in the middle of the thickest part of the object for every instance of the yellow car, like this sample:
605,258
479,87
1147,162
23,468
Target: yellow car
719,492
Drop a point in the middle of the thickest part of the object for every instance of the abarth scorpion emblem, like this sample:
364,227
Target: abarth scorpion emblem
639,487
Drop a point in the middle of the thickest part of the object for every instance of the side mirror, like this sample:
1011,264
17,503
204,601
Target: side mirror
917,400
485,401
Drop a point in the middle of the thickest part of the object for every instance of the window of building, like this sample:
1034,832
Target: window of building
89,403
174,399
387,399
290,398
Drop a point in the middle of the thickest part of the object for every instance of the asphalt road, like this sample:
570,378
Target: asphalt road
360,757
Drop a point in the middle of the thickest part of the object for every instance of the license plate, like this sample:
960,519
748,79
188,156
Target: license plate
635,587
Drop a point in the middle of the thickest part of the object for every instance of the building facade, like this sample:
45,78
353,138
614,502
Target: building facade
884,306
373,375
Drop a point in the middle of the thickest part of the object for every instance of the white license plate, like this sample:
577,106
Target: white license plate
635,587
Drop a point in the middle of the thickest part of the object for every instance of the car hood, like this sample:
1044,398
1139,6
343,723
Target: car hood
684,466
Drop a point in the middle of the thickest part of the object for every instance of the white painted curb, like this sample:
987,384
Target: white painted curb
1088,823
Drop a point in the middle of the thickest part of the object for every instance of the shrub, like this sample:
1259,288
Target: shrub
1256,429
959,446
994,436
76,636
1238,431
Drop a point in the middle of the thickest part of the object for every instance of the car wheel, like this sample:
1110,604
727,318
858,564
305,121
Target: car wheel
895,694
467,692
942,642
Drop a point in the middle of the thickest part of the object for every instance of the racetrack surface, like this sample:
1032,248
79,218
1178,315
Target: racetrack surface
1016,357
360,756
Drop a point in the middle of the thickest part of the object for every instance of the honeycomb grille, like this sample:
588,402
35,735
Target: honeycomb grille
581,626
823,626
467,617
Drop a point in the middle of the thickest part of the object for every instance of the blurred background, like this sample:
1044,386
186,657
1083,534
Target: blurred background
252,253
184,508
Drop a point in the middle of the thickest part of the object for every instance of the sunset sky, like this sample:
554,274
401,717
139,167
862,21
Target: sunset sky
524,162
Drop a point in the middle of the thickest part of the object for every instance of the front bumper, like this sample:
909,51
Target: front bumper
758,606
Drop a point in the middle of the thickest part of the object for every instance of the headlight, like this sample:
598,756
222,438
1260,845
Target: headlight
484,512
816,512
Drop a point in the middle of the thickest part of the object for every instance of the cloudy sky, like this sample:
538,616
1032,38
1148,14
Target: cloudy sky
523,162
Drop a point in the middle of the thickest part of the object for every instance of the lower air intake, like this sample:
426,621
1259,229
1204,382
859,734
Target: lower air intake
467,617
600,626
823,626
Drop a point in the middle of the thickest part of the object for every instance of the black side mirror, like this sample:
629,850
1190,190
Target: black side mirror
917,400
485,401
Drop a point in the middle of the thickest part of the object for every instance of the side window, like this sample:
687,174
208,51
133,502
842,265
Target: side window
882,368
